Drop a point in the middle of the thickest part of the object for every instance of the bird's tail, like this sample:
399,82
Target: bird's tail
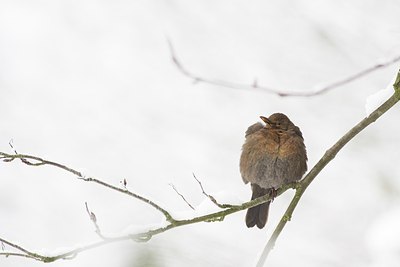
258,215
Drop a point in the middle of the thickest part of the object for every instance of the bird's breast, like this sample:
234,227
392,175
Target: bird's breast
289,145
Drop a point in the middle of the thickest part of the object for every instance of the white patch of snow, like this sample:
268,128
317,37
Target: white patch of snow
375,100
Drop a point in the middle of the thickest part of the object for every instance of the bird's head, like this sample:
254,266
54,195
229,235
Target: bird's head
278,121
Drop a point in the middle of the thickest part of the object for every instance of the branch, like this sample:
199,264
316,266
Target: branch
182,196
328,156
321,90
25,253
40,162
93,218
213,200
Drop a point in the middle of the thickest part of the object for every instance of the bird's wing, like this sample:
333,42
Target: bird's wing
254,128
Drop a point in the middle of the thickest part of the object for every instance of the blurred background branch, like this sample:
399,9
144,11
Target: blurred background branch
280,92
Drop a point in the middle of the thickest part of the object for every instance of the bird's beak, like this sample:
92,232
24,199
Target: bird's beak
266,120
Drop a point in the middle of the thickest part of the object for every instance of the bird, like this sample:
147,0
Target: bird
273,154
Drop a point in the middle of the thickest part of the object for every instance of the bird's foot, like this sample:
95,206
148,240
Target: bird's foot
273,193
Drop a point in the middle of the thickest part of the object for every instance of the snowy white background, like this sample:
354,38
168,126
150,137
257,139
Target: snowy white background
90,84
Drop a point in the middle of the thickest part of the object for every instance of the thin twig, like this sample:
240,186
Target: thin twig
8,254
26,253
93,218
184,199
40,162
11,144
328,156
16,246
255,85
167,215
213,200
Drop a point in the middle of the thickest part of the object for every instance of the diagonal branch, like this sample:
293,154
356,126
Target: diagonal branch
182,196
25,253
328,156
93,219
254,85
212,199
8,254
27,159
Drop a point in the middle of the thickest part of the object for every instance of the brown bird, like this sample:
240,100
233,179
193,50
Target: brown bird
273,154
